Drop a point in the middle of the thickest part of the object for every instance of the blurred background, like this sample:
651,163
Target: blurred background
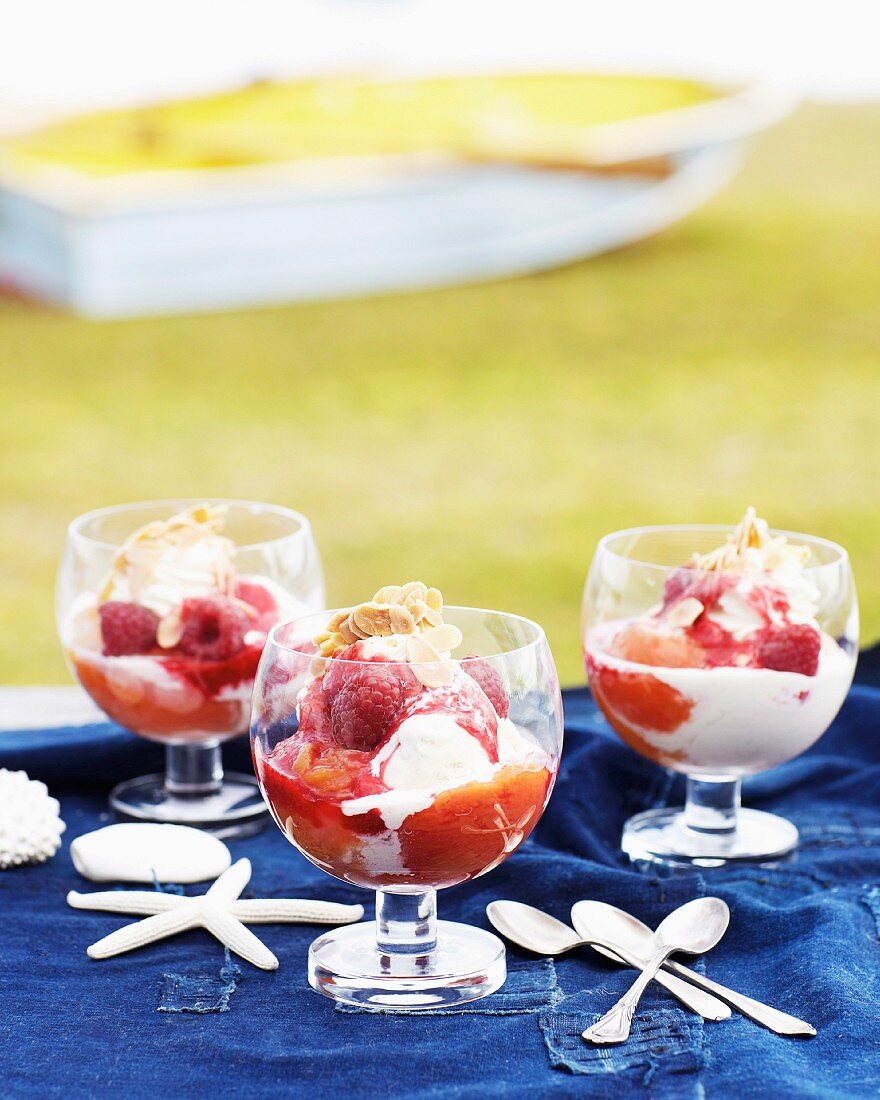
468,326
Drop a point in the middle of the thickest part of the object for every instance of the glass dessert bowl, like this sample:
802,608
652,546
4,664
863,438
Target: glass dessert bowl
163,611
392,765
718,659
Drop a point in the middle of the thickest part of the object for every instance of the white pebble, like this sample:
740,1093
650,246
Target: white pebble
139,852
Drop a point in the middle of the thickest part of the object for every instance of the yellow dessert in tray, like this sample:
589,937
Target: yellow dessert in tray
541,118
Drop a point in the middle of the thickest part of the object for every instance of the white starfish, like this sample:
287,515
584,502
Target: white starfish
220,911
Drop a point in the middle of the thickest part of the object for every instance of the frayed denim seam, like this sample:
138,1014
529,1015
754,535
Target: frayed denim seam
200,994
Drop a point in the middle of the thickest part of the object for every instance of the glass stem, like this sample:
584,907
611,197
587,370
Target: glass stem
193,770
406,924
712,805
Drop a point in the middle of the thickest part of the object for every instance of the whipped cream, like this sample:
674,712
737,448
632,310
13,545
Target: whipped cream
169,561
762,560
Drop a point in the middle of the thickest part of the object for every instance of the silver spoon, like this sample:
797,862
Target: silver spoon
695,928
636,938
537,931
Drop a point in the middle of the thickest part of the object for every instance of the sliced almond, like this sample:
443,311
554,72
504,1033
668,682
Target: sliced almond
686,612
419,609
428,666
434,599
388,594
432,618
374,620
444,638
402,621
348,635
336,619
170,629
414,590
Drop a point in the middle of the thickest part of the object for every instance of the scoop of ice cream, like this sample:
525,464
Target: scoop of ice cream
171,560
431,750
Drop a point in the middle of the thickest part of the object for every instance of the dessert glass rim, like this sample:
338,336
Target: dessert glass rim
604,545
75,526
539,637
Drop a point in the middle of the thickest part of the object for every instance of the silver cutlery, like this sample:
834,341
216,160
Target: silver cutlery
632,935
537,931
693,928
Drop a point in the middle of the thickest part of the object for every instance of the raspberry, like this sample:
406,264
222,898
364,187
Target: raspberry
127,628
365,706
490,681
349,660
213,628
793,648
258,596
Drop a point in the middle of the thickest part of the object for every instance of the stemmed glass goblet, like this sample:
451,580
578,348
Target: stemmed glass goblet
163,609
448,795
717,662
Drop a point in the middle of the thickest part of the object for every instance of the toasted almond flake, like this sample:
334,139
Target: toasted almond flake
402,621
686,612
335,621
388,594
750,534
428,666
419,609
404,610
443,638
413,590
371,618
170,629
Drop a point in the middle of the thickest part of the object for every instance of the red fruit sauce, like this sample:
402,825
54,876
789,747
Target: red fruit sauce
463,833
174,697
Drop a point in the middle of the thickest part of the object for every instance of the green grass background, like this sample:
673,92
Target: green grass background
483,438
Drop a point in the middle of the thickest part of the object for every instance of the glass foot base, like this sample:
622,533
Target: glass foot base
235,809
661,836
467,963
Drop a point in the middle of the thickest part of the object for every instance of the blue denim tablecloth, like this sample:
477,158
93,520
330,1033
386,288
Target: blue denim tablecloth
176,1019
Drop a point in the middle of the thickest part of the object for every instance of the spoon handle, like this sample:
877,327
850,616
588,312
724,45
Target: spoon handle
614,1026
690,995
771,1018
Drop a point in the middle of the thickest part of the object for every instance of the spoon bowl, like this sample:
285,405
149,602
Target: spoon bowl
542,934
532,928
694,927
637,938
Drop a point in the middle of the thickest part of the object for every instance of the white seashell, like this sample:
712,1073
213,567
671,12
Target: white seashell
30,828
139,852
